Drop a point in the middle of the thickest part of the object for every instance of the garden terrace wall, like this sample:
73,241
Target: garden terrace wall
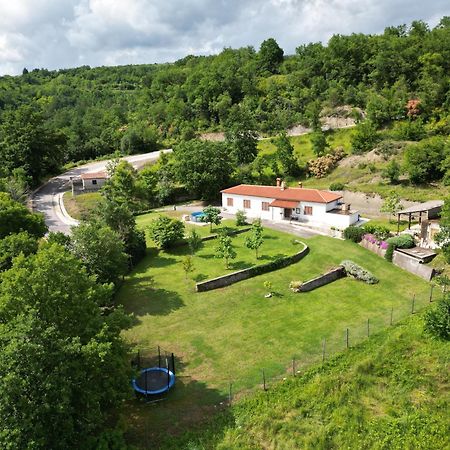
227,280
373,247
412,265
322,280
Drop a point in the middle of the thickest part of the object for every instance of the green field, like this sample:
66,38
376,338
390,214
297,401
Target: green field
391,392
80,204
231,334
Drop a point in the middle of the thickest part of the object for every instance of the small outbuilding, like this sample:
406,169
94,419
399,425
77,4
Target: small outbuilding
424,211
93,181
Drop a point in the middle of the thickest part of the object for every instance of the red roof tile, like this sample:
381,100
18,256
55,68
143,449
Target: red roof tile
94,175
293,194
284,204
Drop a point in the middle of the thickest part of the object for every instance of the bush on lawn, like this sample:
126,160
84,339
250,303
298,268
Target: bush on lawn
354,234
241,218
437,319
389,252
354,270
166,231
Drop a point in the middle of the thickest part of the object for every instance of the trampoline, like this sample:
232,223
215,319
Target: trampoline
154,381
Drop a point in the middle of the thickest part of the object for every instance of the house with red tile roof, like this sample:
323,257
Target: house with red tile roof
280,203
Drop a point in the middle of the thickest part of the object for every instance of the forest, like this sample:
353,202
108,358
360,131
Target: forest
50,118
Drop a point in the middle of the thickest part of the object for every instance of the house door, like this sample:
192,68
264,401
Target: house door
287,213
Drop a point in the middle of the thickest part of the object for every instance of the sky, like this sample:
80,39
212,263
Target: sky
57,34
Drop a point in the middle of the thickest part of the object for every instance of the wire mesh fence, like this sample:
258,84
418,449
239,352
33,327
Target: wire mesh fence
236,384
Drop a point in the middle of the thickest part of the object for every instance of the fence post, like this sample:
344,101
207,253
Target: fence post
230,395
431,293
159,356
392,314
173,363
412,303
293,367
346,337
264,379
368,327
323,349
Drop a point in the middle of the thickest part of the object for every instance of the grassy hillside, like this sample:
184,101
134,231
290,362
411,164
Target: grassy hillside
389,393
231,334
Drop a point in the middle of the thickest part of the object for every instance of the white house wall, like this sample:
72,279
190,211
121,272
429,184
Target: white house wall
89,186
320,215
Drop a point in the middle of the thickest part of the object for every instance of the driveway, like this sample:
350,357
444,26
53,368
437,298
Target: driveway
48,198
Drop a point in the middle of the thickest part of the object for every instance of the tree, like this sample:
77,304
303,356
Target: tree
392,171
255,239
224,249
319,142
212,216
121,186
101,251
391,204
194,241
203,167
285,154
166,231
57,347
423,161
270,56
364,137
120,218
27,142
14,245
240,133
188,265
15,217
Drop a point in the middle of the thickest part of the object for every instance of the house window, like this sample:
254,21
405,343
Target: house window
229,201
307,211
265,206
297,210
247,204
94,181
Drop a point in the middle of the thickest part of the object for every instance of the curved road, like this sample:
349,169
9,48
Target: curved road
48,198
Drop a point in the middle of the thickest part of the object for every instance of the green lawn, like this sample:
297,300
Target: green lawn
231,334
80,204
391,392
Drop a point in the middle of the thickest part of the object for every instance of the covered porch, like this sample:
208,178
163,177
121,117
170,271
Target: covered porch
429,210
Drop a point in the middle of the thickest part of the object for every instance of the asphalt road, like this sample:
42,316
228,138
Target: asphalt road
48,198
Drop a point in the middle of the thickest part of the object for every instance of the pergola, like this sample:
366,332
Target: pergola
431,208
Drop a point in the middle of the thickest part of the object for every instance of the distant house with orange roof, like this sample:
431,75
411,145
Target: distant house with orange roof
280,203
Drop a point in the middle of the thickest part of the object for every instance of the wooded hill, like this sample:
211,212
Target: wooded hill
48,118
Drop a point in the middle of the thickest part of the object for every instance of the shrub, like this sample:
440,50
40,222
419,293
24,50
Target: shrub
364,138
354,234
337,186
354,270
389,252
241,218
166,231
379,231
194,241
402,241
437,320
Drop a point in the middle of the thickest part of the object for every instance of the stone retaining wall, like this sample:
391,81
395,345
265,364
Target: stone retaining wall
322,280
412,265
227,280
373,248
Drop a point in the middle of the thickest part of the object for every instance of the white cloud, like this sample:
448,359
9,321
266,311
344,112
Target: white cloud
67,33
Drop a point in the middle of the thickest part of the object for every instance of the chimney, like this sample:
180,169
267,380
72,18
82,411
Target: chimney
283,185
278,182
300,184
